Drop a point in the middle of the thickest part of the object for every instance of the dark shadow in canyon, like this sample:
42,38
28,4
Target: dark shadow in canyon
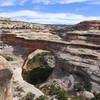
38,70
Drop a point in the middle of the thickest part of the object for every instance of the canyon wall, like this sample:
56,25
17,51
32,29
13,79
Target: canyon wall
76,53
76,50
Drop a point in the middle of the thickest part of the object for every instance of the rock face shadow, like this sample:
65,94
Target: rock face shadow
5,84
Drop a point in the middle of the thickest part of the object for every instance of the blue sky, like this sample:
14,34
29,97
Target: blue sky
51,11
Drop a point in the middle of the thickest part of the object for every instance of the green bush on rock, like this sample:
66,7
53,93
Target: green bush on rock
29,96
42,98
97,96
7,57
79,87
62,95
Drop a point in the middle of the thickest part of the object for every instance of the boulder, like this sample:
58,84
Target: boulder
87,95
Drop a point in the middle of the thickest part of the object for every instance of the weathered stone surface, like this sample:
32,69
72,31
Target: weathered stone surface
73,55
76,50
88,25
5,80
87,95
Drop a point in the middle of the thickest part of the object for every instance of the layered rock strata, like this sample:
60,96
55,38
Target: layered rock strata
76,50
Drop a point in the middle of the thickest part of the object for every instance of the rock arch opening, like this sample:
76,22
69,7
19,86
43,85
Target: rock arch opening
38,67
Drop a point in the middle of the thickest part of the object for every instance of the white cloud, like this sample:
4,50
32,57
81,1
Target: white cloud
6,3
46,2
47,18
58,1
95,3
11,2
21,2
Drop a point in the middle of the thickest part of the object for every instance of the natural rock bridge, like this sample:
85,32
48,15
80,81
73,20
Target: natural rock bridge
73,55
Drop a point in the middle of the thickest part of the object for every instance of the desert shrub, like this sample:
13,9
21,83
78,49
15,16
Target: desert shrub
50,90
97,96
8,58
29,96
20,89
25,75
75,97
62,95
79,87
42,98
54,90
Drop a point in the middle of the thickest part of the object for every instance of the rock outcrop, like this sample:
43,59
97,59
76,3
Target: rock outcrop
82,26
6,92
87,95
88,25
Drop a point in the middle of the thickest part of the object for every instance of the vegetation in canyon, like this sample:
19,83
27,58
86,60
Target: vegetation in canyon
38,69
7,57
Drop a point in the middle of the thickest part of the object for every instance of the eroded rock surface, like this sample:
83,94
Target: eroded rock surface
73,55
6,92
76,50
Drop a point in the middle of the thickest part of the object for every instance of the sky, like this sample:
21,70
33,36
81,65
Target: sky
51,11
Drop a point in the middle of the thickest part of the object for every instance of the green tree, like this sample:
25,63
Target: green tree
29,96
62,95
